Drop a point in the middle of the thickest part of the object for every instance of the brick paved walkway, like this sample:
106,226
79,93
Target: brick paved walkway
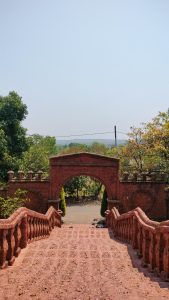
79,262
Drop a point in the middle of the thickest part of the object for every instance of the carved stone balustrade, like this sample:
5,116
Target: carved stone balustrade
30,176
149,238
21,227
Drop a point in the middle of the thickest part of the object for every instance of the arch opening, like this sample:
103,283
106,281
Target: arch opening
83,197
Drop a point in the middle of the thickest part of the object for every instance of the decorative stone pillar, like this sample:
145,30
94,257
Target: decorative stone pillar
135,175
144,176
10,175
163,177
153,176
125,176
20,175
39,175
30,175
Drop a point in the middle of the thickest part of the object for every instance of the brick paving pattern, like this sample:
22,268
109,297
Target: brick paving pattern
79,262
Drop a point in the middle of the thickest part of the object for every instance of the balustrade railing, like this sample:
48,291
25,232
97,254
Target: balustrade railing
22,227
149,238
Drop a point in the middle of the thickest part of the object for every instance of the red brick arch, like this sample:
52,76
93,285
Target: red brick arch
103,168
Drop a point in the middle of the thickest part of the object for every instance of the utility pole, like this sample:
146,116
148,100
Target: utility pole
115,136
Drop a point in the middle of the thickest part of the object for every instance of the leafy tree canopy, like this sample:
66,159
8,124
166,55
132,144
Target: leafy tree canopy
40,149
12,135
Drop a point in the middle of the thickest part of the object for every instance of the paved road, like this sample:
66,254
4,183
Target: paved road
79,262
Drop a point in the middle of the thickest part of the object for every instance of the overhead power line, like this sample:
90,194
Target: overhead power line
94,133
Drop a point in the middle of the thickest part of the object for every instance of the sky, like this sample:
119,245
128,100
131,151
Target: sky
83,66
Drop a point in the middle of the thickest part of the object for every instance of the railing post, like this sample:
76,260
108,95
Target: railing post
3,248
165,259
152,260
17,235
140,240
24,232
11,246
158,252
145,248
135,233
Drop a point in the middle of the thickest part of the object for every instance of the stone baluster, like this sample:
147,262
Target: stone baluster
140,240
24,232
128,229
44,228
30,175
36,228
152,261
47,226
3,248
145,247
122,225
29,228
40,228
135,233
125,229
122,229
158,250
17,235
45,231
165,258
11,246
130,232
10,175
33,229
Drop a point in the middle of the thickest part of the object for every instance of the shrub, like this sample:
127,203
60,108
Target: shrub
62,204
12,203
103,204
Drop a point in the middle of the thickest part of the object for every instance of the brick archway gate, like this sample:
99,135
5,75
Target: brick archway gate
103,168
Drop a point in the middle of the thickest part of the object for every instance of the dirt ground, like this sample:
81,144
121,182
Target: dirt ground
79,262
82,214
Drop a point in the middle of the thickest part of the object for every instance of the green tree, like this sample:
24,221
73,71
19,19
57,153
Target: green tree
12,203
156,139
62,204
98,148
75,185
103,204
147,148
13,141
74,148
40,149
